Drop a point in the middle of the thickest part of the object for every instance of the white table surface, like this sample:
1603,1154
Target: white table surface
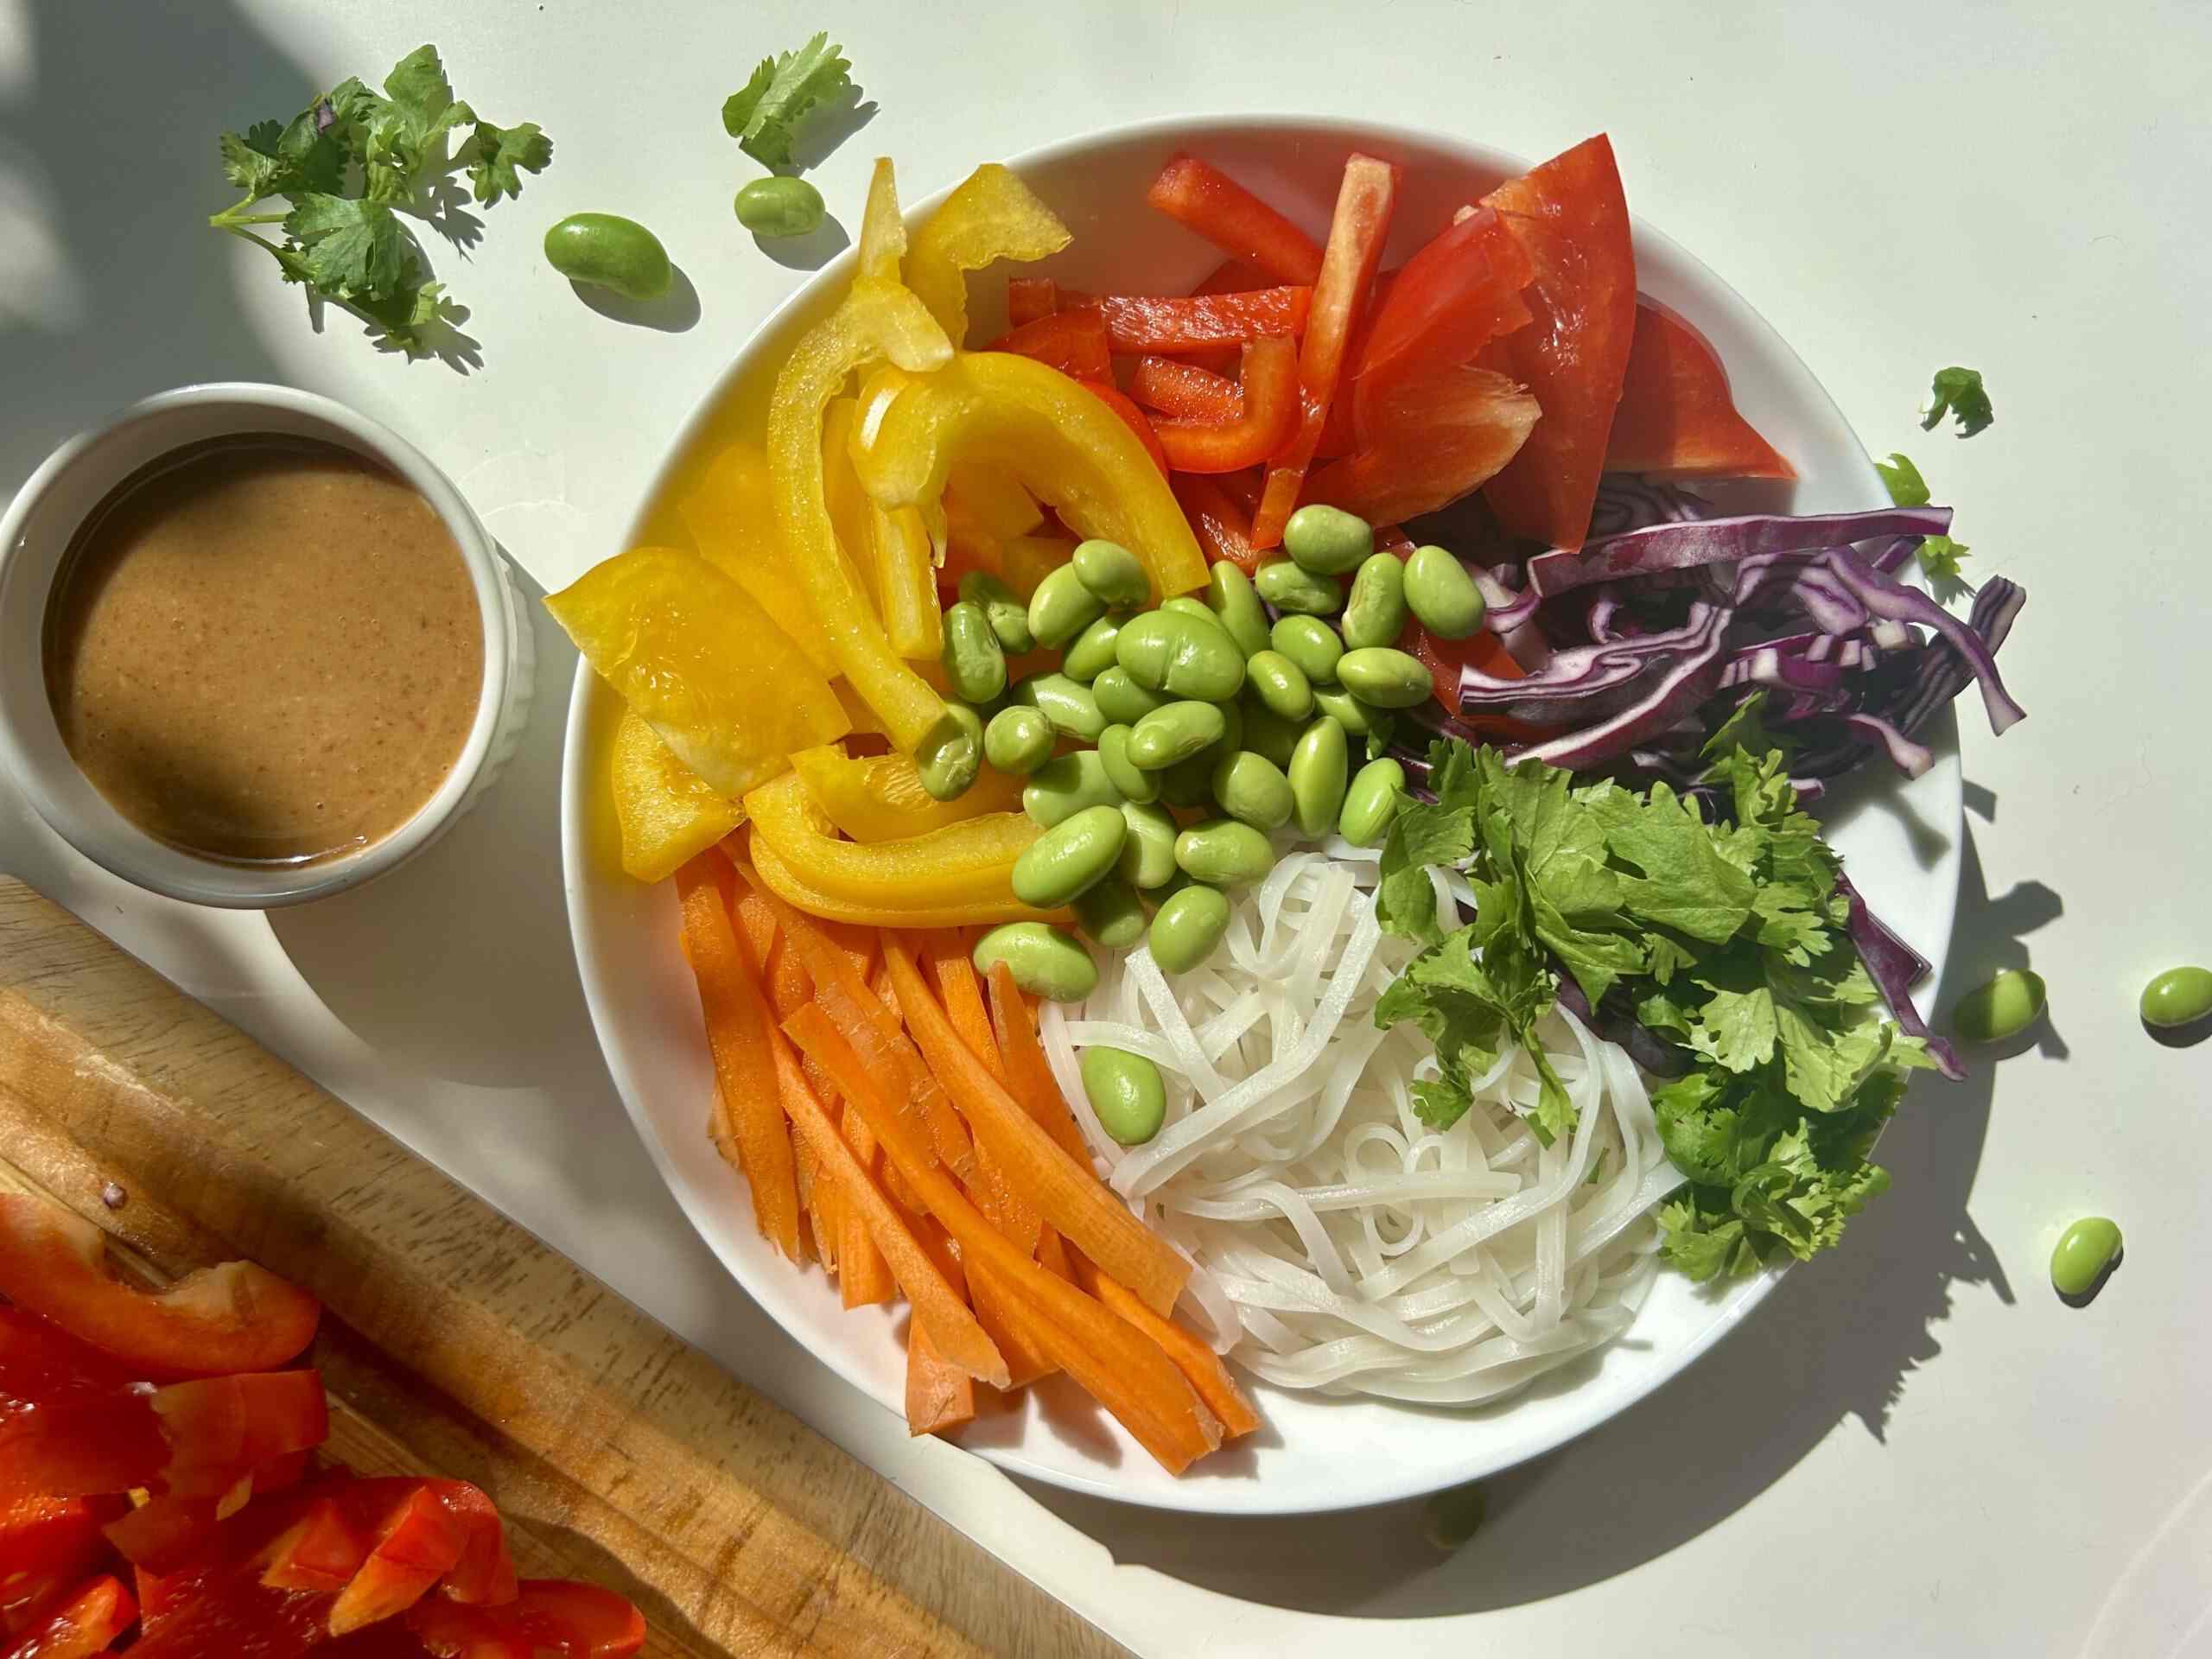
1913,1446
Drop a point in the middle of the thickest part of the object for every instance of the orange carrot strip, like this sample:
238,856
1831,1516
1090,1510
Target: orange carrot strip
939,1394
1053,1253
756,924
1066,1191
865,1278
1028,1073
1192,1357
786,980
1000,1314
963,997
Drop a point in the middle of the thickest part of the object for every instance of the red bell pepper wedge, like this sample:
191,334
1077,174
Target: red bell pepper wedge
1268,393
320,1553
1151,322
1572,217
1184,391
448,1630
416,1543
1348,265
1229,276
576,1620
1117,400
219,1425
167,1532
47,1544
87,1622
1028,298
233,1318
1202,197
1074,342
1223,527
1436,435
485,1574
1677,418
1444,304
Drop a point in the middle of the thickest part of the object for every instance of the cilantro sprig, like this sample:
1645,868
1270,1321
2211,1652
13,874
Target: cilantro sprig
1939,556
346,164
765,114
1958,392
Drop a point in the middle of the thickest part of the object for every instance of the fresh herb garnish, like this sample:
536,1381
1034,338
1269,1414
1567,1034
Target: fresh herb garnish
345,162
765,117
1958,392
1939,556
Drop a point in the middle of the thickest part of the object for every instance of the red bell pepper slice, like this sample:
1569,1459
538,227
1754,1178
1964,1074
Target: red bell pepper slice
416,1543
1268,393
217,1424
1184,391
1028,298
1437,433
1074,342
1202,197
1115,399
1677,418
1151,322
1223,527
485,1574
233,1318
87,1622
576,1620
448,1629
1444,304
47,1544
1347,264
322,1553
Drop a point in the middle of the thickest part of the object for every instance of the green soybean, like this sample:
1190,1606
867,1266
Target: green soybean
1109,913
1289,586
1009,617
975,665
2002,1009
1188,783
778,206
2178,997
1114,575
1232,727
1045,961
609,251
1120,699
1317,777
1065,786
1066,702
1327,541
1348,711
1371,802
2086,1252
1068,857
1126,1091
1017,741
1375,611
1168,651
1223,853
1383,677
1062,608
1175,733
1267,732
952,753
1236,607
1441,593
1092,653
1252,788
1280,684
1310,644
1148,858
1187,927
1130,780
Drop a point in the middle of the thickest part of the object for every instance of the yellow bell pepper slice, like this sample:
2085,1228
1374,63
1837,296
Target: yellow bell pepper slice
852,511
993,215
1067,448
989,501
968,863
733,523
668,813
883,228
905,581
700,661
879,797
785,883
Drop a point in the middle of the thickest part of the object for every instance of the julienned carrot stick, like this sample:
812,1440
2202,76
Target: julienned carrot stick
1053,1254
1000,1313
1065,1193
1208,1375
863,1276
939,1394
738,1034
756,924
963,997
1028,1074
957,1334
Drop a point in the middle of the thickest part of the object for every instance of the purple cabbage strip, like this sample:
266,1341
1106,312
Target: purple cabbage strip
1645,1047
1893,966
1693,543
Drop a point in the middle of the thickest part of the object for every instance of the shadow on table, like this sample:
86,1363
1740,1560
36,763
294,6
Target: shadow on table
1840,1341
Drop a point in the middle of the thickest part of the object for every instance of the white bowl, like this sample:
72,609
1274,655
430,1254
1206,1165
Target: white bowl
35,537
1315,1453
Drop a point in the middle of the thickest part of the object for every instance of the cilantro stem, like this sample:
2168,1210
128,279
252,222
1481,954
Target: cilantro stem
231,218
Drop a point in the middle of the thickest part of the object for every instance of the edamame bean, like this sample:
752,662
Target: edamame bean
1442,595
1267,732
1280,684
952,753
1348,711
1114,575
1327,541
1317,777
2000,1010
1120,699
1092,653
1371,802
1196,609
2178,997
1251,789
1232,730
1067,703
1167,651
1130,780
1186,929
975,666
1109,913
2086,1252
1067,858
1236,607
1383,677
1289,586
611,252
1188,783
1223,853
1313,644
1126,1091
1375,611
1045,961
778,206
1062,608
1017,741
1175,733
1148,858
1009,617
1065,786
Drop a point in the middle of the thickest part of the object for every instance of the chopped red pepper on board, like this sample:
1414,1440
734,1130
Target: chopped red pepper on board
88,1621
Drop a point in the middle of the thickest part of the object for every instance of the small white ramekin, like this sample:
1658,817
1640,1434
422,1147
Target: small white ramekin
35,537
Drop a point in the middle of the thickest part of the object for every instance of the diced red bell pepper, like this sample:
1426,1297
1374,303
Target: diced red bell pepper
1028,298
72,1421
485,1574
47,1544
417,1541
1677,418
232,1616
1184,391
87,1622
1223,528
1449,300
448,1630
1438,434
233,1318
219,1425
1117,400
1269,391
1148,322
320,1553
1074,342
166,1532
576,1620
1201,196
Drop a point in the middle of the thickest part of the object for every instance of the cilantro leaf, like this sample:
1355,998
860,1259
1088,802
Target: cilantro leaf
1939,556
1736,1029
1958,392
765,114
353,250
1707,1244
503,155
1906,486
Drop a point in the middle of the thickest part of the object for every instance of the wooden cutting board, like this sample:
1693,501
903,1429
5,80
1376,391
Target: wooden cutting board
453,1343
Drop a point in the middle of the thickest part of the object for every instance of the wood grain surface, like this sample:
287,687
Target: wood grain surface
455,1343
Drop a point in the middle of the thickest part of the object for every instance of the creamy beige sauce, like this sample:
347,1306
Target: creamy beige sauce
266,648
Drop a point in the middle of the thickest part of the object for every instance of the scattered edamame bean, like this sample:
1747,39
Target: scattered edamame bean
1223,853
2000,1010
1280,684
1114,575
1442,595
1290,587
1347,711
1045,961
1267,732
778,206
1375,611
1251,789
1148,858
1313,644
1236,607
1062,608
952,753
1317,777
975,665
1009,617
1168,651
1121,700
1175,733
1327,541
1383,677
1065,786
1017,741
1371,802
1126,1091
611,252
1111,913
1092,652
1187,927
2178,997
2086,1252
1132,781
1067,858
1067,703
1452,1517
